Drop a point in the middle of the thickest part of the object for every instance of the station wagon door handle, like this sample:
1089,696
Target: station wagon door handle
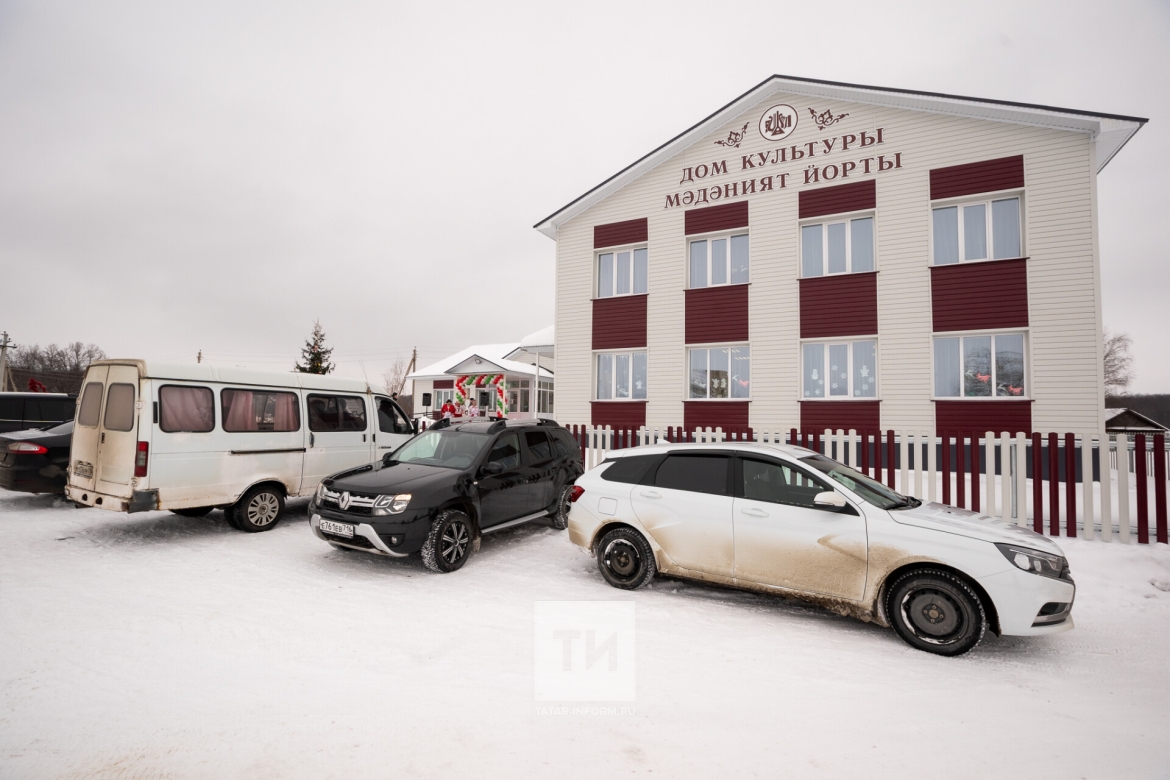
753,512
650,494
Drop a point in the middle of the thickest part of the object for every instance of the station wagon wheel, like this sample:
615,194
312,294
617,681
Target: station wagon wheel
560,515
936,611
259,510
450,541
626,559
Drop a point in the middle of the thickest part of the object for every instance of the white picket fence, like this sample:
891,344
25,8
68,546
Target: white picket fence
1103,502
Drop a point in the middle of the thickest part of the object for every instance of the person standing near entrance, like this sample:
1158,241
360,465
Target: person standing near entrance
448,410
472,408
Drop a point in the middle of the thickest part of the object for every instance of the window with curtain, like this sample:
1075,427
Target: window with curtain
622,272
621,376
979,366
721,373
186,409
259,410
841,247
985,230
719,260
839,370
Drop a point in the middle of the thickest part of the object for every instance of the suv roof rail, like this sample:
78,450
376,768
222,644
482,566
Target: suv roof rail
497,426
443,423
546,421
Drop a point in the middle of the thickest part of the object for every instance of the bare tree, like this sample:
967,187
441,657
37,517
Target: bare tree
1118,363
395,376
60,369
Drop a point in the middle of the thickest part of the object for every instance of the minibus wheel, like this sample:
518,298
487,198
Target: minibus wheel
259,510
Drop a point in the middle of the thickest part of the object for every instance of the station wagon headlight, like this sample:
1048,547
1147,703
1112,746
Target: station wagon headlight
1034,561
391,505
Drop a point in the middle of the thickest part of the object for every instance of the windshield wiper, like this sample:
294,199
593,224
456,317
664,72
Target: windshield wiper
907,502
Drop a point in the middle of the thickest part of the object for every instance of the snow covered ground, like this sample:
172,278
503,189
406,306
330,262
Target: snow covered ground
153,646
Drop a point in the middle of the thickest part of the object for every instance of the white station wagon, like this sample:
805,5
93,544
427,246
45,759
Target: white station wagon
788,520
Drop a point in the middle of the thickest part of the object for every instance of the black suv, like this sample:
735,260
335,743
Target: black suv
439,491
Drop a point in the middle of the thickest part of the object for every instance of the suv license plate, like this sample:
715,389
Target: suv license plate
340,529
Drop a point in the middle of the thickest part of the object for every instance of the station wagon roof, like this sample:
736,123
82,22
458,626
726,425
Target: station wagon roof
210,372
762,448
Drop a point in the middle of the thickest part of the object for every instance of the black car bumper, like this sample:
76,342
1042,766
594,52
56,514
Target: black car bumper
31,474
395,535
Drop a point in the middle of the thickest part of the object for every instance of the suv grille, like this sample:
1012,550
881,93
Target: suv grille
356,503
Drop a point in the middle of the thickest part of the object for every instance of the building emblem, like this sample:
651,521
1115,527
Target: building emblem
825,118
734,139
343,501
778,122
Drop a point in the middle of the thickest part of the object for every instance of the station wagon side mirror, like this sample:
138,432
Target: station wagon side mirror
492,468
830,499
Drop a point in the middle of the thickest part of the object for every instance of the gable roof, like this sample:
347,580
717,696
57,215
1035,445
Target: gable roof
1123,419
1110,131
494,361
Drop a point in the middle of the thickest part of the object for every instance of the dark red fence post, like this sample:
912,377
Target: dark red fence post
751,435
1037,484
864,452
946,468
975,469
1160,486
1053,485
1070,485
961,471
1143,487
792,438
890,459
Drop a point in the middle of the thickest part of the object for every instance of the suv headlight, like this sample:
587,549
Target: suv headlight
390,505
1036,562
321,490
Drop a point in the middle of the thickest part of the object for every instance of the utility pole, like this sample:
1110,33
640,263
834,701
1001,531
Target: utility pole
5,343
410,369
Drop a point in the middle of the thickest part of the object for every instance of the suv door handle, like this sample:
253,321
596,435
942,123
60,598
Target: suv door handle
753,512
650,494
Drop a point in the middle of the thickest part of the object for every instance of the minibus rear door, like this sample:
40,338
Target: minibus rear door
118,438
83,452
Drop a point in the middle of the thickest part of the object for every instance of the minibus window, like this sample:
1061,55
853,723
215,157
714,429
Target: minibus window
249,410
336,413
91,405
186,409
120,407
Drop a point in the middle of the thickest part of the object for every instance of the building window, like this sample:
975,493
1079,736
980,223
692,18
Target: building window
518,391
837,247
840,369
981,366
721,372
443,396
545,405
987,230
621,273
621,376
718,261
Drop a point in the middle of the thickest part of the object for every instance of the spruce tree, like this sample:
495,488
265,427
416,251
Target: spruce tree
315,354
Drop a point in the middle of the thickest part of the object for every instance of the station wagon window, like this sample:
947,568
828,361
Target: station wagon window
844,370
721,372
977,231
841,247
91,405
621,376
979,366
391,419
779,483
622,273
260,410
186,409
336,413
694,473
719,261
119,407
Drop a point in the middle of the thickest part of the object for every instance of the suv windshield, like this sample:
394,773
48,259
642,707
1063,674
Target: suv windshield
869,489
449,449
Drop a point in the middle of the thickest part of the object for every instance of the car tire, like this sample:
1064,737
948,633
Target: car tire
626,559
450,542
194,511
936,611
560,513
259,510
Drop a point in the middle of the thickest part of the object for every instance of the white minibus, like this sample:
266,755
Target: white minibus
191,438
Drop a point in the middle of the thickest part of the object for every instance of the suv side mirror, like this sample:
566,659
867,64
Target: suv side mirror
492,467
830,499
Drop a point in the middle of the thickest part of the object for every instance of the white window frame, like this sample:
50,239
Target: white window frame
442,396
986,199
546,402
687,370
710,237
613,382
615,251
1025,332
848,342
836,220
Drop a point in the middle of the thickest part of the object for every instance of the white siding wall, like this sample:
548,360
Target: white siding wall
1059,234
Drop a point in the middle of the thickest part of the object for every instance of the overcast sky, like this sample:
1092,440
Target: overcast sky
215,176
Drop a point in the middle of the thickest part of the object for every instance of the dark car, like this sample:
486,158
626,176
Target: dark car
438,492
22,411
34,461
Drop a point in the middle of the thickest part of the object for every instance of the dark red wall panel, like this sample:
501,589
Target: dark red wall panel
981,416
726,216
1005,173
619,322
444,384
841,305
716,314
856,196
632,231
728,415
619,415
844,415
975,296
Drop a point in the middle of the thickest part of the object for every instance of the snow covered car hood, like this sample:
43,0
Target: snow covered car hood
949,519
